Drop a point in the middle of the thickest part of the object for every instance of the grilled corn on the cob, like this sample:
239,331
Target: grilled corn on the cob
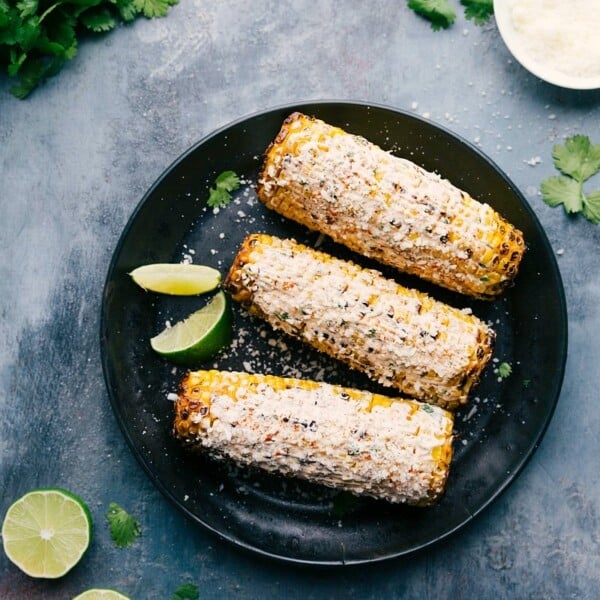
388,208
400,337
394,449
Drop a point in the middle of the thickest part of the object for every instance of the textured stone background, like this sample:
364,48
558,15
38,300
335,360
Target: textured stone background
78,155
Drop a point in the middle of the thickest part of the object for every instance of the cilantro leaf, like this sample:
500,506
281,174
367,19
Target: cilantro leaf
504,370
438,12
153,8
34,71
478,10
37,37
186,591
123,527
127,9
578,157
28,33
98,20
228,180
218,198
562,190
27,7
220,195
591,207
62,41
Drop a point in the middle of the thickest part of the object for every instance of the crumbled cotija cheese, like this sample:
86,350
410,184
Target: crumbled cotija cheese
561,33
336,436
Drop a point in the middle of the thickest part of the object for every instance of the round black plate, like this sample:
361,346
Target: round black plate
299,522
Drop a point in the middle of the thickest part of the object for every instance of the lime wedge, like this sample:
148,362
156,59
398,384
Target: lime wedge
177,279
100,594
198,337
46,532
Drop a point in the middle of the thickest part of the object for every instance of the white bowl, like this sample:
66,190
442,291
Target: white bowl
519,49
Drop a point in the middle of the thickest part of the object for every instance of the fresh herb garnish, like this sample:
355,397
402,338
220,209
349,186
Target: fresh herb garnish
220,195
438,12
504,370
441,15
123,527
186,591
479,11
578,160
427,408
37,37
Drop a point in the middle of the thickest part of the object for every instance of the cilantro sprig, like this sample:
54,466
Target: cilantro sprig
220,195
38,37
578,160
124,528
438,12
442,15
479,11
504,370
186,591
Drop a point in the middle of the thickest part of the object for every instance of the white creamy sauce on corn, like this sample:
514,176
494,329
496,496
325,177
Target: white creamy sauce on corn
361,317
372,194
324,435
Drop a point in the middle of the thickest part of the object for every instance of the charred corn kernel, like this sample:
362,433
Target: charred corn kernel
388,208
393,449
399,337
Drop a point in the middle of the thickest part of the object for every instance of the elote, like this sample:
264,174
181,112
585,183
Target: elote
399,337
388,208
368,444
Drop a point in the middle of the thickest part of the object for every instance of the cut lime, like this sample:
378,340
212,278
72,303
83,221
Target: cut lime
100,594
198,337
46,532
177,279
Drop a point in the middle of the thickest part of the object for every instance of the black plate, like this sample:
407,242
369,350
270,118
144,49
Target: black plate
299,522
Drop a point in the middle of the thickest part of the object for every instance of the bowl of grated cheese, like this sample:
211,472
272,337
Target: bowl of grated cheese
556,40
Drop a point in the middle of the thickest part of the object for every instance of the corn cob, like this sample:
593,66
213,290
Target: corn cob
399,337
368,444
388,208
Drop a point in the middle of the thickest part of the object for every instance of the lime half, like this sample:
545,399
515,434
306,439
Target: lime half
46,532
198,337
177,279
100,594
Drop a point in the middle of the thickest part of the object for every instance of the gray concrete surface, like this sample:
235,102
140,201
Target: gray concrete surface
77,156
